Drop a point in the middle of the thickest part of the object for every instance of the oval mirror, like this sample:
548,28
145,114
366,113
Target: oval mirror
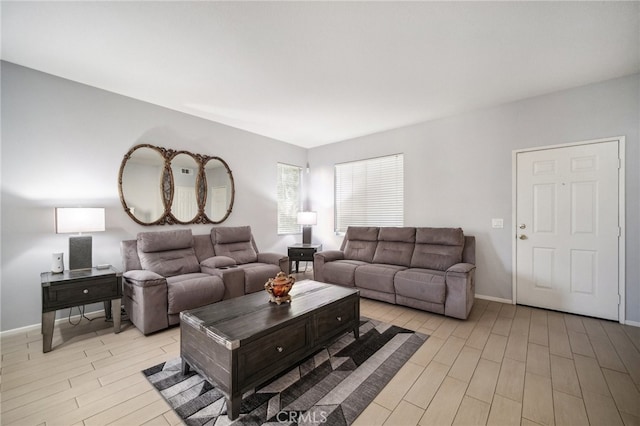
142,183
220,189
185,171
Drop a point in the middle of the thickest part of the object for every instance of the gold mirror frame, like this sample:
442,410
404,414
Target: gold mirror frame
167,188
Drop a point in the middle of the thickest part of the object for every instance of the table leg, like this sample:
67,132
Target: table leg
107,309
48,318
185,367
115,313
233,406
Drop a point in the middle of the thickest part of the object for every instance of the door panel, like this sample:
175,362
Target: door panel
567,252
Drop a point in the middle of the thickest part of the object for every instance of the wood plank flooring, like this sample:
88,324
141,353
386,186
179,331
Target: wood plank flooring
505,365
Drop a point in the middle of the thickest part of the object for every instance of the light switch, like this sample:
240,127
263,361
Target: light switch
497,223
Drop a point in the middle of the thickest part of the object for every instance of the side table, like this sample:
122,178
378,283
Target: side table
302,252
75,288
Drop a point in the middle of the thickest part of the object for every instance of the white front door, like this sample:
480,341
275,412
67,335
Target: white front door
567,229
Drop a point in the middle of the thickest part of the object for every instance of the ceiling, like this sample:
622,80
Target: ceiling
312,73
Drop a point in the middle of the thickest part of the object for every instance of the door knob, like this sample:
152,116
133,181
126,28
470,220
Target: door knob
522,237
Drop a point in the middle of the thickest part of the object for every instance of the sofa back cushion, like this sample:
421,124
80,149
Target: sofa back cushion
437,248
168,253
235,242
360,243
395,246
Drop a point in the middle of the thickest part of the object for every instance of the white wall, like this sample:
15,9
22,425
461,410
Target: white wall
458,170
62,145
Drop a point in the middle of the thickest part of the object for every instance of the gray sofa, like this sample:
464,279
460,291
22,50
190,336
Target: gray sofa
431,269
166,272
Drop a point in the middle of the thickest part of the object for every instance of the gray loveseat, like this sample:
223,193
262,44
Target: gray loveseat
431,269
167,272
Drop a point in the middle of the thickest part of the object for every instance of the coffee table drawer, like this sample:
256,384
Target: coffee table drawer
336,319
270,352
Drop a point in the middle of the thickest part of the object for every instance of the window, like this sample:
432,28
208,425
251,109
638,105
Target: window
370,192
289,198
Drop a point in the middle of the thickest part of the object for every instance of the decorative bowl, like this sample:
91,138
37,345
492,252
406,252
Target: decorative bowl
279,287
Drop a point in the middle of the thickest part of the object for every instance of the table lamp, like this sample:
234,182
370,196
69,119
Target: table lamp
307,219
70,220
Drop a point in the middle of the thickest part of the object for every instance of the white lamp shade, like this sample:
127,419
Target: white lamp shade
79,219
307,218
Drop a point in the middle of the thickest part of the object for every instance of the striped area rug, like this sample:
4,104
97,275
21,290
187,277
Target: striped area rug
331,387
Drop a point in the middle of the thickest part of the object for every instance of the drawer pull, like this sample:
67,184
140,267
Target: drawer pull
85,291
279,348
339,319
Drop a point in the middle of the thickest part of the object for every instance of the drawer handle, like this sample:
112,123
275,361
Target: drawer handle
339,319
279,348
85,291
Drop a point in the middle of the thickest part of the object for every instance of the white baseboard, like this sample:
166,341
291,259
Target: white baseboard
632,323
27,328
508,301
494,299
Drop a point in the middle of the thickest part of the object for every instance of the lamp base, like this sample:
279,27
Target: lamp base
306,235
80,256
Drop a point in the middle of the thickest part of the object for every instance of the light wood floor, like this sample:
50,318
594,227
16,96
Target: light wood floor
505,365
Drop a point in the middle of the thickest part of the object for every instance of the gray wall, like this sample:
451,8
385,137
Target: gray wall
62,145
458,170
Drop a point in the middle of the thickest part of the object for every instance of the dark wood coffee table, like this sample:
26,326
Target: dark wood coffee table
240,343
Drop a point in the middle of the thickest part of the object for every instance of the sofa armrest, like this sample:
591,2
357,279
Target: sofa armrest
463,268
145,300
275,259
323,257
142,278
460,290
329,255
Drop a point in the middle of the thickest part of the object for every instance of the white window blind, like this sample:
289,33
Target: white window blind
370,192
289,198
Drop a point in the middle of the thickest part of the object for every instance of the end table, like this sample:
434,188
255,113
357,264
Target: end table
302,252
75,288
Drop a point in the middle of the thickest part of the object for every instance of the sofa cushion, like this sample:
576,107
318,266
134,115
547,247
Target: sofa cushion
405,235
437,248
377,277
421,284
360,243
151,242
171,262
342,272
191,291
440,236
234,242
230,234
395,246
393,253
256,275
363,233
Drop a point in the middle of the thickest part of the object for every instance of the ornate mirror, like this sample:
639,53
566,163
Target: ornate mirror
185,172
143,184
220,190
161,186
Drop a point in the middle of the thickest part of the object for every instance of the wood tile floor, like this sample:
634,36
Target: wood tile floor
505,365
